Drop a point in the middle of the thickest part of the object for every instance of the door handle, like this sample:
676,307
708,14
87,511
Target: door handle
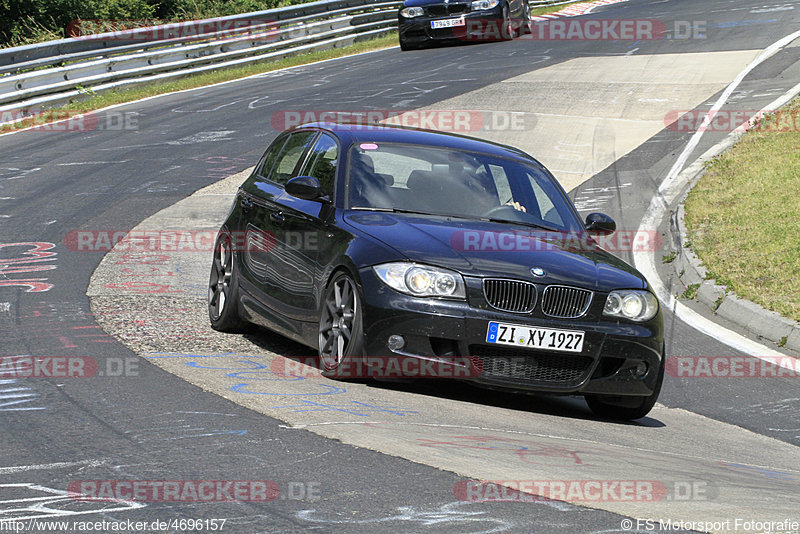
277,217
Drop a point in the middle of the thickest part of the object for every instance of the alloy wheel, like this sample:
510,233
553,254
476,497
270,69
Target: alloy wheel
339,323
219,284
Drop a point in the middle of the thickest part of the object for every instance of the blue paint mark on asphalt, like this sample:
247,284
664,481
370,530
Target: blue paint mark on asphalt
278,377
155,355
768,473
744,23
331,390
245,367
255,365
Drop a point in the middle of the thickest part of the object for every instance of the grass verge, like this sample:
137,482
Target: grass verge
110,98
743,216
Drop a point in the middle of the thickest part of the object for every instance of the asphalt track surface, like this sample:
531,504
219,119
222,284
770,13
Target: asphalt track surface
155,426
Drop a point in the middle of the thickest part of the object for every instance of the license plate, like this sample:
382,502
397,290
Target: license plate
532,337
447,23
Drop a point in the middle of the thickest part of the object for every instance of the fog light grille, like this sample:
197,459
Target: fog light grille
527,366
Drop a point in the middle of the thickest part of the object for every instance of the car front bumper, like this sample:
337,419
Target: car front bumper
479,26
452,332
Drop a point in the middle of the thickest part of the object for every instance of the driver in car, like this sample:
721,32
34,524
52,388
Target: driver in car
480,184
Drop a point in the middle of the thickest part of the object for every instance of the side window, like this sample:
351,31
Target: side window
286,161
501,183
546,206
268,159
321,163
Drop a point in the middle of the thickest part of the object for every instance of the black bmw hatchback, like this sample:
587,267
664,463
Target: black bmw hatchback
368,242
423,22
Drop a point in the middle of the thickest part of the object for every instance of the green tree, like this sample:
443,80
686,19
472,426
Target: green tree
30,20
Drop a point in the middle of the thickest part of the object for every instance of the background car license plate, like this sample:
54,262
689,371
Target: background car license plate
447,23
532,337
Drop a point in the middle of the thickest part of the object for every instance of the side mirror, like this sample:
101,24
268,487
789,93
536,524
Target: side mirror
305,187
600,223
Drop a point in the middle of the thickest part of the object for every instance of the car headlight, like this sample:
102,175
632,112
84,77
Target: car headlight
483,5
411,12
631,304
421,280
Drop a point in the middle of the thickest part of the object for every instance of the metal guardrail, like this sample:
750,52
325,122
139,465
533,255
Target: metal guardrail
102,41
54,72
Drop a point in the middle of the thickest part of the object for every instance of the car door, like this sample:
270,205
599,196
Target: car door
263,220
306,240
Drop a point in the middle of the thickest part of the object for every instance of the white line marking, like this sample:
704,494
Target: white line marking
202,137
668,192
92,163
53,502
55,465
695,140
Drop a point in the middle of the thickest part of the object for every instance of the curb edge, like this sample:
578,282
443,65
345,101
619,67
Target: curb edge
717,298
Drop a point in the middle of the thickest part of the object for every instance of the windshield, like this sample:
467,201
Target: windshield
448,182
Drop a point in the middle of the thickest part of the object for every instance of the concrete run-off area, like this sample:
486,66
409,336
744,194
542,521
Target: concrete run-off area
165,321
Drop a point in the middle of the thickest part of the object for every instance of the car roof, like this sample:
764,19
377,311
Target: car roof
350,134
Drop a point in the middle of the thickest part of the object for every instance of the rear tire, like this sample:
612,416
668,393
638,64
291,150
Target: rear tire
223,290
616,408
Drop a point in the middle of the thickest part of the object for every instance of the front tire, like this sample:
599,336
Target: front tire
618,409
527,23
508,31
223,289
341,337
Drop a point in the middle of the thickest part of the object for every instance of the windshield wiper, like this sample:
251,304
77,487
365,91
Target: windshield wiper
413,212
523,223
390,210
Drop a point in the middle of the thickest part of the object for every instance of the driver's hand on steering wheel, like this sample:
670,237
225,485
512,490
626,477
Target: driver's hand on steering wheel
516,205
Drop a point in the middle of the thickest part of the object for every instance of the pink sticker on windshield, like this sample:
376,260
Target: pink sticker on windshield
368,146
